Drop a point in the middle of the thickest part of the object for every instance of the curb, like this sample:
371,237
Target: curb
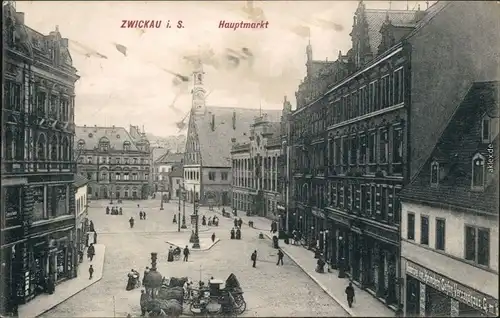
196,249
98,278
346,308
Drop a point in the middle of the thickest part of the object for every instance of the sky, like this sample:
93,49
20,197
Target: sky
139,88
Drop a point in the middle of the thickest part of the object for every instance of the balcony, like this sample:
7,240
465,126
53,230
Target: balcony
21,166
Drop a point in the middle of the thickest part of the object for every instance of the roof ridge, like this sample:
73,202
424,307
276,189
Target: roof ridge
391,10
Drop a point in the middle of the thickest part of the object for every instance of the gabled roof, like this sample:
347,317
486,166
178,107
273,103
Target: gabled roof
454,151
177,172
170,157
375,18
215,145
117,136
80,181
157,152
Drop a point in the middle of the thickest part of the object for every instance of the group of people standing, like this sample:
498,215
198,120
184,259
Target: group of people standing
212,221
114,210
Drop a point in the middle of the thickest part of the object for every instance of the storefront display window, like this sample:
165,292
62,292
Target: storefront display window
12,206
60,264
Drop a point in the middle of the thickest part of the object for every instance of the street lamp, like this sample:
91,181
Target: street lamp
181,193
196,239
341,258
161,197
183,226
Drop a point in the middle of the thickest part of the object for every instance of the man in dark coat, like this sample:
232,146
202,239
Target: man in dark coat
349,291
236,223
254,258
91,272
213,237
91,252
240,222
143,215
131,221
280,257
186,253
91,227
140,215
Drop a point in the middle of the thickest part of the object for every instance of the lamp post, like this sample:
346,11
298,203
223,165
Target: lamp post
325,243
341,258
161,197
181,193
311,237
183,226
196,239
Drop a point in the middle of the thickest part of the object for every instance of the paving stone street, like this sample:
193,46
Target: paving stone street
270,290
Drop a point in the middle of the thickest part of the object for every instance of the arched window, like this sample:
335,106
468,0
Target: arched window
126,146
434,173
89,190
81,144
478,172
65,149
104,144
53,149
41,148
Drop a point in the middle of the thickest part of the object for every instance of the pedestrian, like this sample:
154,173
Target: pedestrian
235,222
146,272
213,237
254,258
280,257
143,215
131,221
144,301
350,294
91,252
140,215
95,237
186,253
91,272
91,227
240,222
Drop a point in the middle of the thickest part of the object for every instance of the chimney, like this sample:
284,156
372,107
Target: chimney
234,120
64,42
212,124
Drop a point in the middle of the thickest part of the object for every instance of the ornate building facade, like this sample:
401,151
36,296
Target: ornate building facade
37,206
256,189
358,141
116,164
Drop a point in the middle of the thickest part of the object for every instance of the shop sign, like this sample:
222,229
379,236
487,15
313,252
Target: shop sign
464,294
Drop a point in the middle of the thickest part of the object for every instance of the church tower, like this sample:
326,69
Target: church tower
198,92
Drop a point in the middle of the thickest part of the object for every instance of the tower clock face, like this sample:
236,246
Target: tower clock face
198,95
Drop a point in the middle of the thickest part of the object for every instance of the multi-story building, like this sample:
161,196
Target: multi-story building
155,154
256,163
207,160
116,165
176,181
82,221
37,207
449,228
356,144
165,164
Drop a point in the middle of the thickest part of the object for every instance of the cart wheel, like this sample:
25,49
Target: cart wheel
241,306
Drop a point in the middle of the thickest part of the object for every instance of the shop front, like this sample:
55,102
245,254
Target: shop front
431,294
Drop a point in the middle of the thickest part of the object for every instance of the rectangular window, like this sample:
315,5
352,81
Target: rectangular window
211,175
440,234
89,159
397,150
223,176
372,97
486,130
345,152
117,176
337,154
353,151
411,227
125,176
41,98
398,86
372,152
477,245
390,88
361,101
376,103
384,146
362,149
424,230
355,105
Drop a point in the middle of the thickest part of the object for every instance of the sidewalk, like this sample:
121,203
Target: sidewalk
365,304
65,290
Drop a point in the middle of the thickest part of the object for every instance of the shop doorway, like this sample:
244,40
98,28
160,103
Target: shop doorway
412,297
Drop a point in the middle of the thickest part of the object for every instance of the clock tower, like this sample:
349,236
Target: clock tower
198,92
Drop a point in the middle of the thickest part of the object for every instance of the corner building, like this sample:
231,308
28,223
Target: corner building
38,199
115,161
